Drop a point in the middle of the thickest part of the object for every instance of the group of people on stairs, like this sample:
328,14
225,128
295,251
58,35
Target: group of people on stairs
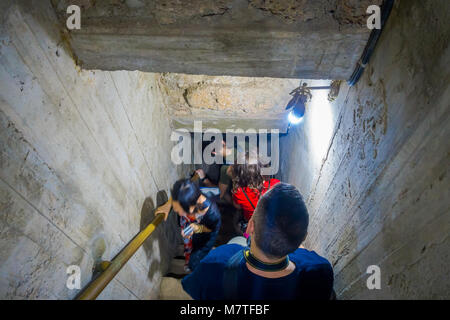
268,261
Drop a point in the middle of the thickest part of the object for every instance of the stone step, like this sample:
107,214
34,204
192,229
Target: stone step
179,250
171,289
177,267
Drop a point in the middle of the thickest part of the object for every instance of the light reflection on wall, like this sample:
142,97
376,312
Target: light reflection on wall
320,125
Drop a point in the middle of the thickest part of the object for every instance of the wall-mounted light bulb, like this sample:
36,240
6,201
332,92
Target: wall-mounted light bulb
293,119
297,104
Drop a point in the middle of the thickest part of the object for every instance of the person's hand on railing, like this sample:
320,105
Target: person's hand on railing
164,209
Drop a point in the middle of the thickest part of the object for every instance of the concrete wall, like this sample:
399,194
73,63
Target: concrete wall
80,151
373,166
320,39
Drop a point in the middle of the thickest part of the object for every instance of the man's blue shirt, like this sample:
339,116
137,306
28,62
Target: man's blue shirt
311,279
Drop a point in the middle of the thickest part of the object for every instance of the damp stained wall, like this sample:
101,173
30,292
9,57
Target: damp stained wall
373,166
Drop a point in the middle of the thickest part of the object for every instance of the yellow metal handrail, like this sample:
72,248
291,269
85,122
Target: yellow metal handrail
92,291
95,287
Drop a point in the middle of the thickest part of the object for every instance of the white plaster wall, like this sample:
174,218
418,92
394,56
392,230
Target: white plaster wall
373,166
80,151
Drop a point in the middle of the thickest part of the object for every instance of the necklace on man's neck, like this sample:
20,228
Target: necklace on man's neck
265,266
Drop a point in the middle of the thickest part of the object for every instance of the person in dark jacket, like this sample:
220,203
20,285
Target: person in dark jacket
199,219
275,265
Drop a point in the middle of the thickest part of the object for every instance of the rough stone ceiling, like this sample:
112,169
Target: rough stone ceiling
314,39
229,63
225,102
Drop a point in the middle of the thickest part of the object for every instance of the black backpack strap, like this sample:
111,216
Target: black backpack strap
231,275
251,203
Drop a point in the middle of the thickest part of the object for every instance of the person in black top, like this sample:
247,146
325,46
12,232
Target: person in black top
199,219
275,266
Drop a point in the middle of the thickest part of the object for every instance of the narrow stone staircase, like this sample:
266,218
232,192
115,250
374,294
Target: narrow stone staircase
171,288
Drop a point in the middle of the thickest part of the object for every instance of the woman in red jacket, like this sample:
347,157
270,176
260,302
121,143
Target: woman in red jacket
248,187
